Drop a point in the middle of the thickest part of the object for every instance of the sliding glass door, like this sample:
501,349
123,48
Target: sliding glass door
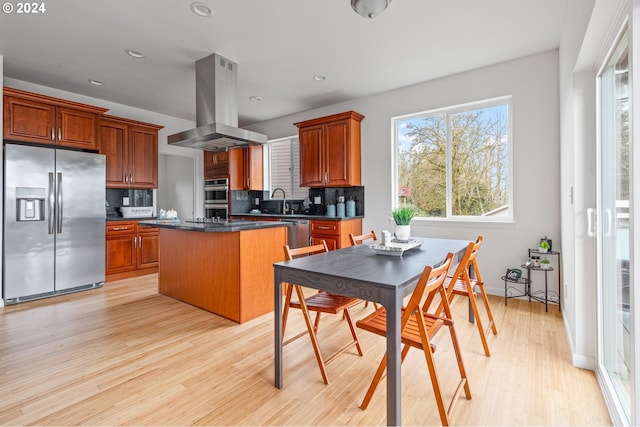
615,364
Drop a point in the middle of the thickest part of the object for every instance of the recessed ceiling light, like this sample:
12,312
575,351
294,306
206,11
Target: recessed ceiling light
135,53
319,77
96,82
201,9
255,98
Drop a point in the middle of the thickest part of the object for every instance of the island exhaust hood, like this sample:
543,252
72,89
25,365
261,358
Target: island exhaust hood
216,109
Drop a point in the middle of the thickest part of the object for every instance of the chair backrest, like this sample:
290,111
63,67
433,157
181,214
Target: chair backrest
356,240
305,250
469,259
430,284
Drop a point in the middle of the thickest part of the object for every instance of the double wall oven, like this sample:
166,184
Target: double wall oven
216,198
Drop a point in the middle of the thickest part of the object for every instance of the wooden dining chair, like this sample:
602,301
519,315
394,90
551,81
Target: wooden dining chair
461,283
418,327
358,240
321,302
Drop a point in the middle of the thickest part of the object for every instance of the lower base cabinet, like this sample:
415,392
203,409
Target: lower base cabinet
131,250
334,233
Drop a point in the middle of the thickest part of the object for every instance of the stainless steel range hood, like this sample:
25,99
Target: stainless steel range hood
216,109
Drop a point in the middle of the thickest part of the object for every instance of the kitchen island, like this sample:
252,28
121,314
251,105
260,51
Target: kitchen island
225,268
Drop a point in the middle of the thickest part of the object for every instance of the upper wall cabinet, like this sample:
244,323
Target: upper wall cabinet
31,117
216,164
246,168
330,150
131,150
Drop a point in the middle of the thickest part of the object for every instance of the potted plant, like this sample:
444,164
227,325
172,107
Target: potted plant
545,263
402,216
543,247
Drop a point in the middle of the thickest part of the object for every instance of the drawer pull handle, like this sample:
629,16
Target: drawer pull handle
323,227
119,228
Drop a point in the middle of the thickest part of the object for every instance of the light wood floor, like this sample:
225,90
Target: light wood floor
124,355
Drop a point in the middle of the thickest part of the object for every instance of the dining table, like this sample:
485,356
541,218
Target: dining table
364,273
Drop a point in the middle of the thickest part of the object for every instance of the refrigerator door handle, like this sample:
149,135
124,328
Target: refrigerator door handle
51,202
59,201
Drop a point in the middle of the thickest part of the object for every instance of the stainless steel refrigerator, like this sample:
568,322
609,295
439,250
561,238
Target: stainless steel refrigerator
54,222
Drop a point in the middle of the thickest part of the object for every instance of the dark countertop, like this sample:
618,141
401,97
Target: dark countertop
119,218
295,216
217,227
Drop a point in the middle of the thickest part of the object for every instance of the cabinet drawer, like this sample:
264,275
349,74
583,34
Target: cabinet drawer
121,227
145,229
325,227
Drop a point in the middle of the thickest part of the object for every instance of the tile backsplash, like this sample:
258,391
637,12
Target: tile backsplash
115,199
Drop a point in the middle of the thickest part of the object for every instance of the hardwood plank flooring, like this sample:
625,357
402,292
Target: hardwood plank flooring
125,355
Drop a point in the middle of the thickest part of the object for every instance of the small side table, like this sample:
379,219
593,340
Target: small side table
536,296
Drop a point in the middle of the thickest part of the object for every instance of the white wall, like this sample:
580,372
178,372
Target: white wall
1,180
176,178
533,83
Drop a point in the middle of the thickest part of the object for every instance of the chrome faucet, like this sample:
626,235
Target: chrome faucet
284,199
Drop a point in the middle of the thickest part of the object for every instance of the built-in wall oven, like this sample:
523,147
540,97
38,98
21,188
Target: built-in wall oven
216,198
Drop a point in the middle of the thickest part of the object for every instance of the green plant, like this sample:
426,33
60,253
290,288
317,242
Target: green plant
544,245
545,261
403,215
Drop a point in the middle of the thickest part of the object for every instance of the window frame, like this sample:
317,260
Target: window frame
269,169
448,111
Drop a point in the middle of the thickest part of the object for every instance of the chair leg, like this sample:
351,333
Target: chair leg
478,319
377,377
312,335
347,315
285,311
492,323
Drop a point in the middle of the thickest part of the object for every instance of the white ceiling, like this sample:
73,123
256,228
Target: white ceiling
279,46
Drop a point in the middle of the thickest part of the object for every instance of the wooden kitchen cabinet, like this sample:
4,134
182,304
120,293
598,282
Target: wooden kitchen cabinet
216,164
246,168
334,232
131,150
131,250
31,117
330,151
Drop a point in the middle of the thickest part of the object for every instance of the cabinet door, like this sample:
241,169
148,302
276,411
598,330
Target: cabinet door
114,145
312,156
77,129
337,153
120,253
29,121
143,158
332,242
216,164
148,245
246,168
254,167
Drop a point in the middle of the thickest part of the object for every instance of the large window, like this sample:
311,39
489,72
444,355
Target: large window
454,163
284,168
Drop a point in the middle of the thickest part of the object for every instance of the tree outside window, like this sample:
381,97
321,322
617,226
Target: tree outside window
455,162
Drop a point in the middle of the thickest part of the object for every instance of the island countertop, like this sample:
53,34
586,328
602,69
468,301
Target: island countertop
215,227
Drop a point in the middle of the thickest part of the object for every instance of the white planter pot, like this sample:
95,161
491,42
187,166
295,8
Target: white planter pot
403,232
543,250
544,266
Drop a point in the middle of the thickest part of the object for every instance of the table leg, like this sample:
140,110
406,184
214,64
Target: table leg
392,302
277,310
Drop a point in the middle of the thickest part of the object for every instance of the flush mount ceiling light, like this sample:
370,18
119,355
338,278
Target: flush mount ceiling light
96,82
201,9
255,98
319,77
370,8
134,53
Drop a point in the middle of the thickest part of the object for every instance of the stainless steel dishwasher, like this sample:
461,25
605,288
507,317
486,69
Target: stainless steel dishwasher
297,232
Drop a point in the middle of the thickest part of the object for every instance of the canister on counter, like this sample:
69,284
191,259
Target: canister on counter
331,210
351,208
